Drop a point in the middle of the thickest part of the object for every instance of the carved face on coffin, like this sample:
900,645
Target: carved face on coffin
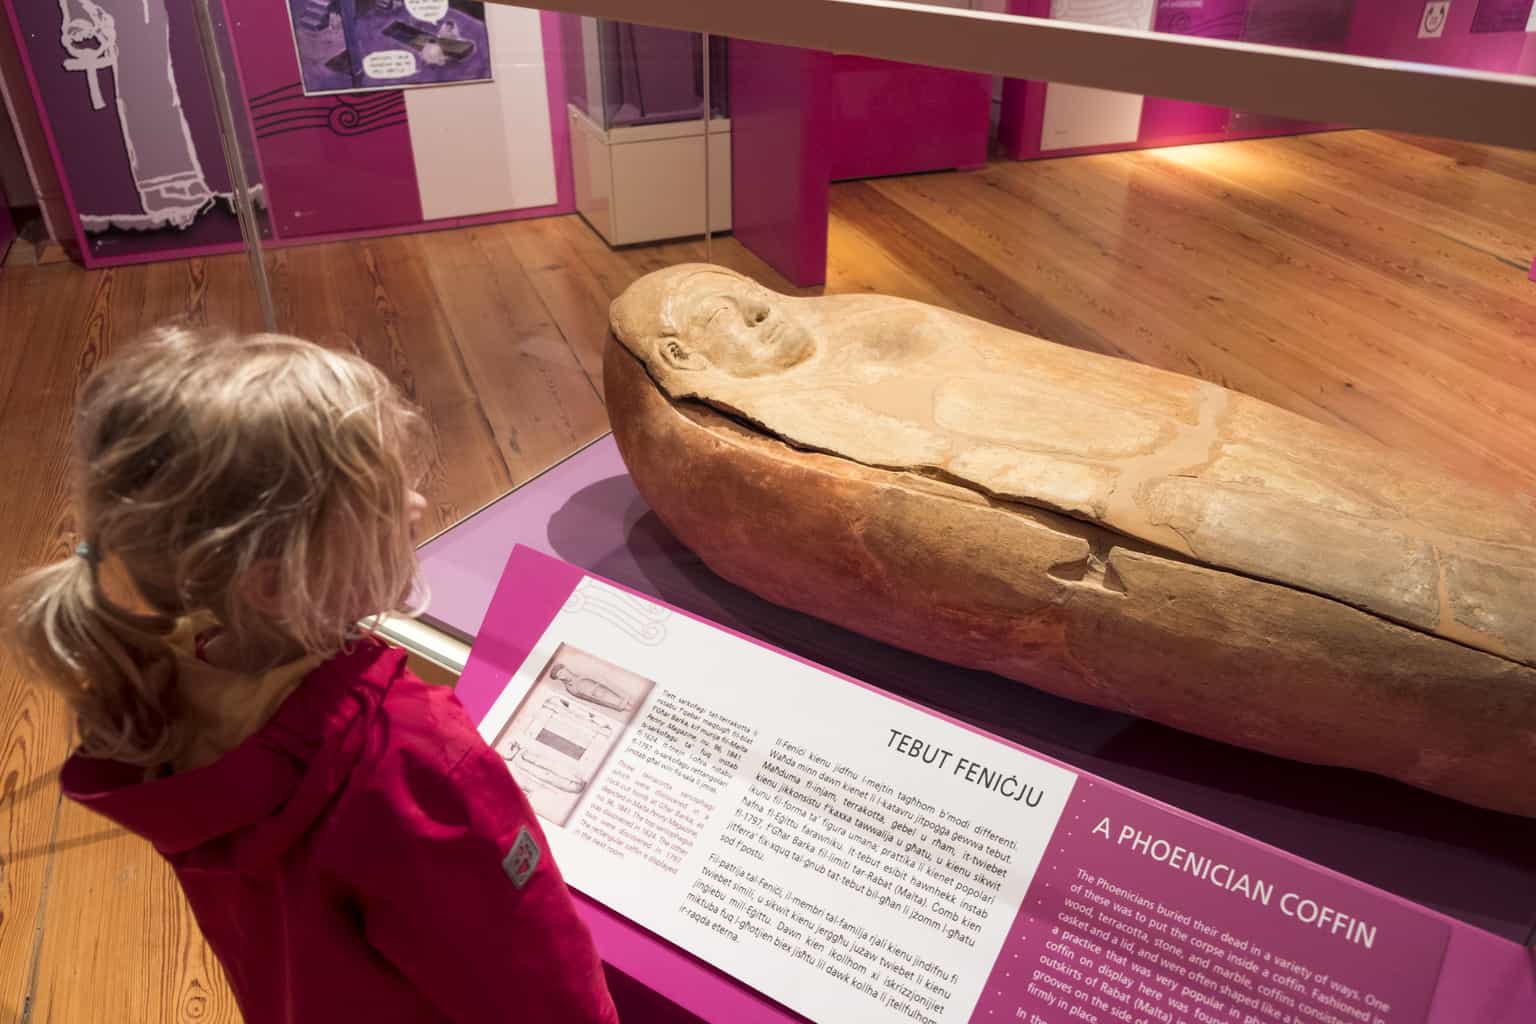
693,319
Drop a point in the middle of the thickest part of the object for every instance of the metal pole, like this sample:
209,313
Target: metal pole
234,156
709,244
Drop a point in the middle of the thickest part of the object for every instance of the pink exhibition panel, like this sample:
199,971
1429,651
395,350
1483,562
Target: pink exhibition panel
780,158
1436,857
894,118
129,122
330,164
759,838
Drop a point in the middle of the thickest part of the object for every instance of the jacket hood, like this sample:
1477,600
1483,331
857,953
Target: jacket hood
268,792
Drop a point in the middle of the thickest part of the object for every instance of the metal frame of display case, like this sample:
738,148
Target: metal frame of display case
1473,106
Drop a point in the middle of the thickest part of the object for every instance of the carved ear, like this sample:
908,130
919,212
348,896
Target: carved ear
674,354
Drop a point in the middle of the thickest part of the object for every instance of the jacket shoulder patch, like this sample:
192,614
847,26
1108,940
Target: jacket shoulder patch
522,858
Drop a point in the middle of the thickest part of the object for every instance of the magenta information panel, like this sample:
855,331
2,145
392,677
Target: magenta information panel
1143,914
832,851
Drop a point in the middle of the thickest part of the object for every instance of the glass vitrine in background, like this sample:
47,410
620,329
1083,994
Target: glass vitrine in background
635,101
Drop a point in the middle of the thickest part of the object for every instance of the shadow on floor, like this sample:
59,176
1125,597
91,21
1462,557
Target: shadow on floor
48,780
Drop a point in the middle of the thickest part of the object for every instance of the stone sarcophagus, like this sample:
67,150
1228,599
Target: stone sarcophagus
1109,532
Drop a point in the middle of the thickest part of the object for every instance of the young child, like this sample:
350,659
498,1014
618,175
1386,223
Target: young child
350,846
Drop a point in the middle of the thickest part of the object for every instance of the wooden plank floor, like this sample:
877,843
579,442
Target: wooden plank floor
1371,281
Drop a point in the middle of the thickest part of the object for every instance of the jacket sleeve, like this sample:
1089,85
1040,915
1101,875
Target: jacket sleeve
454,878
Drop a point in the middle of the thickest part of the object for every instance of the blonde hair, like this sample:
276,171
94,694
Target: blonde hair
211,467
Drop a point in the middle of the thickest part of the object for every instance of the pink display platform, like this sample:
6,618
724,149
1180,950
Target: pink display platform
1473,866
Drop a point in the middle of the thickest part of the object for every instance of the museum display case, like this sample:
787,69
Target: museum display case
347,122
636,98
620,74
1141,383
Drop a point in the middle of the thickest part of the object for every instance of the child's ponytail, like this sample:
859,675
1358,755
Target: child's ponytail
76,645
262,481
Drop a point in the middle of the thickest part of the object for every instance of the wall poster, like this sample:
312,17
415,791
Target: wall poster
358,45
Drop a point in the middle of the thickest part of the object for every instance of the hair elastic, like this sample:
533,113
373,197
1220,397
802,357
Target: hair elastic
85,551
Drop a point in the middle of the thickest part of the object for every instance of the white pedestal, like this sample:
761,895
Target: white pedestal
645,183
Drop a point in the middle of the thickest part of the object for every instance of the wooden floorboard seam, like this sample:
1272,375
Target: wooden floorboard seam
34,968
458,355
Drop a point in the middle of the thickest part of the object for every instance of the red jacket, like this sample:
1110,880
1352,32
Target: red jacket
365,856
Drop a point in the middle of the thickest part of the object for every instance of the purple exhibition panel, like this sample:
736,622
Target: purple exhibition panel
121,89
142,160
331,164
1470,864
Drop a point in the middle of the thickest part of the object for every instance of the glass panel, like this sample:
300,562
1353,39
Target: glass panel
621,74
231,107
457,190
469,236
